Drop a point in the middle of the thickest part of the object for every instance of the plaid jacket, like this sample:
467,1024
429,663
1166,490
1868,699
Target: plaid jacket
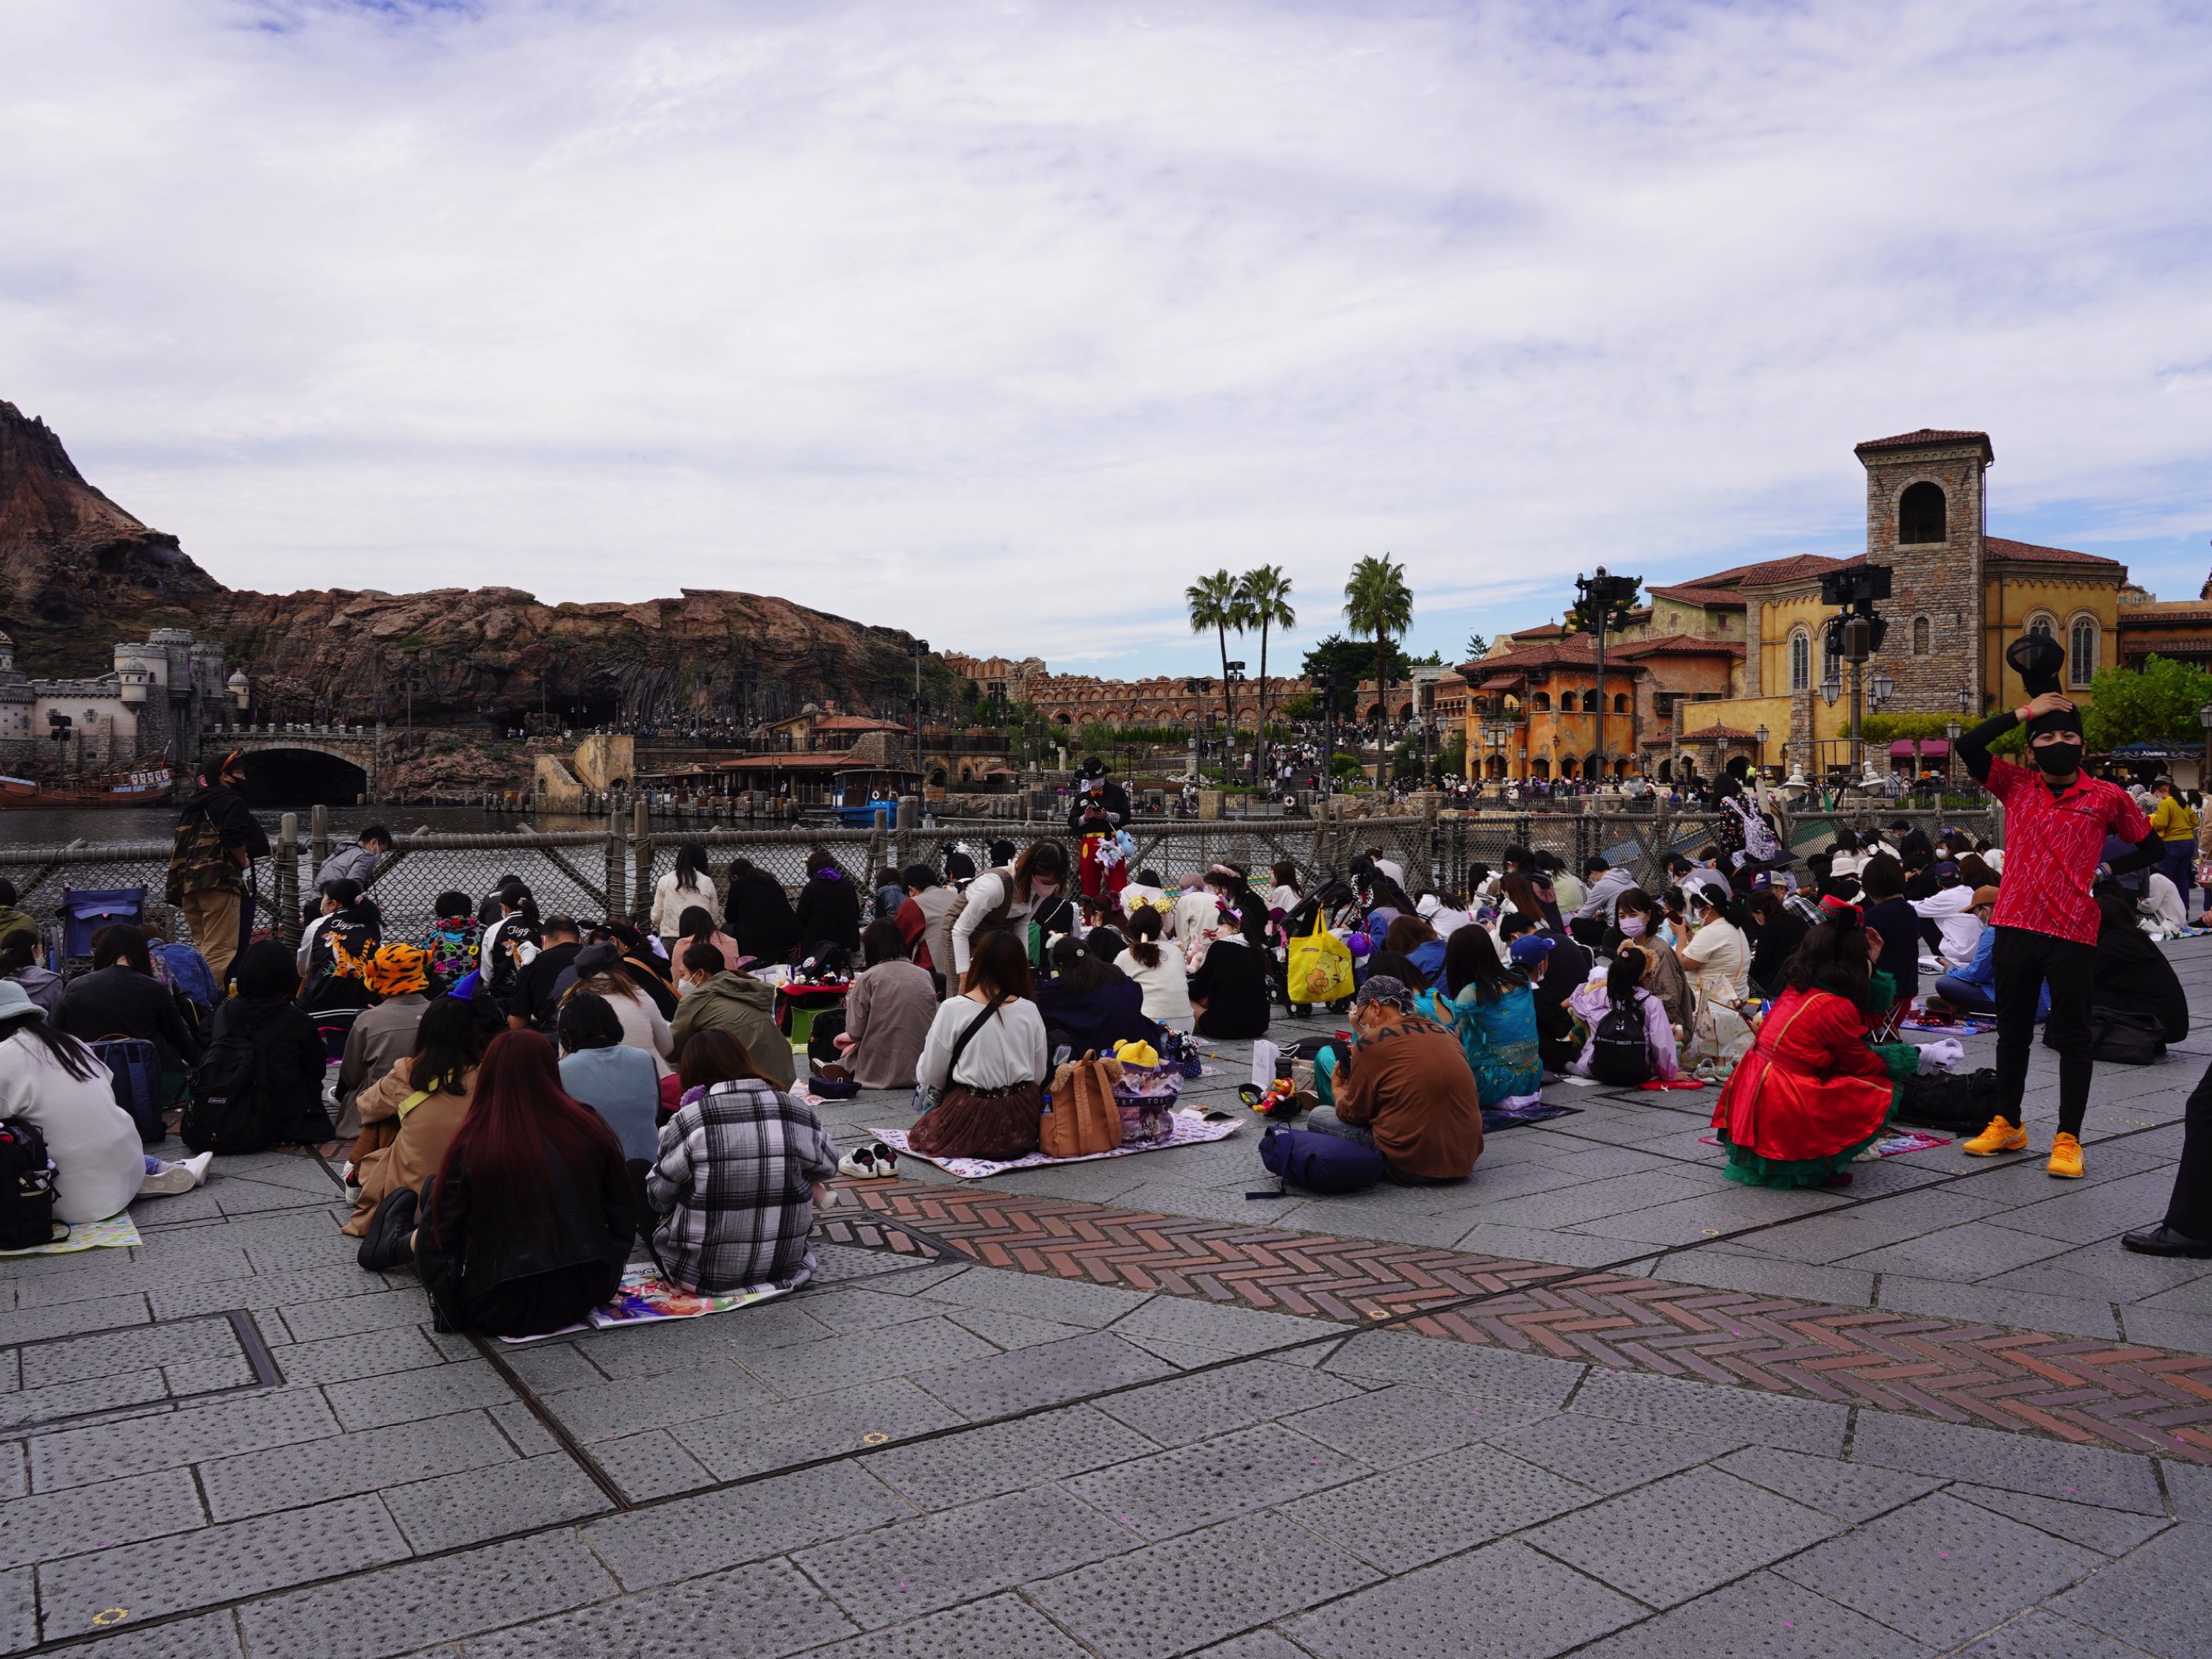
731,1186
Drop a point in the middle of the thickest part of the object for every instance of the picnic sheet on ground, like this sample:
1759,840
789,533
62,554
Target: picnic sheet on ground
1495,1118
644,1297
116,1232
1890,1146
1958,1025
1191,1128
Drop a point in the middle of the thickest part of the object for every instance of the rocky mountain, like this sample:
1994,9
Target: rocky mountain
77,572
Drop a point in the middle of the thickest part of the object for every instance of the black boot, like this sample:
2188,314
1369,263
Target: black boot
391,1233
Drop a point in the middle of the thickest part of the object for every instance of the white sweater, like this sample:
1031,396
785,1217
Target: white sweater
98,1160
1167,987
985,894
1009,1050
671,900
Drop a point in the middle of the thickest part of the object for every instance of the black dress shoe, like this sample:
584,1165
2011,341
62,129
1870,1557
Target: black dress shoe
391,1232
2162,1239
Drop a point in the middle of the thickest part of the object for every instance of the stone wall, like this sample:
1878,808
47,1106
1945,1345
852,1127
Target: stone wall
1939,581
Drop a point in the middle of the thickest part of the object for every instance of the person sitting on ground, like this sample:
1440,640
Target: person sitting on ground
1631,1040
12,919
639,961
410,1114
612,1076
23,959
535,1002
829,908
1282,897
1229,984
742,1166
2162,901
1605,885
1814,1092
986,1061
452,947
510,942
718,997
688,886
1890,917
1949,909
696,927
399,978
1413,939
1776,931
888,1013
1555,968
120,997
599,970
336,975
2131,976
54,1083
356,863
925,921
1493,1009
181,968
1717,958
1971,989
889,894
759,916
1642,923
1105,943
712,1056
288,1058
1089,1005
1157,969
529,1224
1404,1089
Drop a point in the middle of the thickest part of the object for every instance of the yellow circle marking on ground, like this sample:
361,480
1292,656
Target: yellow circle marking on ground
874,1438
113,1616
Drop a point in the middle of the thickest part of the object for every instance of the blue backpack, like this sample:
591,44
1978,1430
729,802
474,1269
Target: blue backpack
1318,1162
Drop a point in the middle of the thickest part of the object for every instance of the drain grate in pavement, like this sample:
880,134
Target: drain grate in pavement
56,1379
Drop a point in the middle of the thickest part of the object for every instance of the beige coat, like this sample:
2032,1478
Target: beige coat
888,1017
414,1155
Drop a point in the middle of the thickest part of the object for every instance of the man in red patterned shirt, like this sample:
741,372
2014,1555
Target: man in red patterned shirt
2057,819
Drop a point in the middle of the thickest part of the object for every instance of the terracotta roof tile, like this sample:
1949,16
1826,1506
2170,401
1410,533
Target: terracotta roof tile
2011,552
1795,567
1722,733
1926,435
1690,593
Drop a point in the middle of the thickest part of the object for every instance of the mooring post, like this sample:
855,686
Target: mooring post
617,871
318,838
287,923
640,908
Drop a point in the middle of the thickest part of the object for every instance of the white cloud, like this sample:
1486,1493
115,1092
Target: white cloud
1002,321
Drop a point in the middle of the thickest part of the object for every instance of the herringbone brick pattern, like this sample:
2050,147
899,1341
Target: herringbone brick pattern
2084,1390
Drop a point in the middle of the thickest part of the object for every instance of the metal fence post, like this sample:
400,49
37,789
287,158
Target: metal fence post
318,838
288,879
617,866
641,907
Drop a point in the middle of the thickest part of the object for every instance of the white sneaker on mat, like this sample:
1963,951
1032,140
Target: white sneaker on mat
168,1183
198,1166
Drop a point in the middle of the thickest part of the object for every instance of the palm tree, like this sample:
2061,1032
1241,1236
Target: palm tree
1215,603
1378,604
1263,597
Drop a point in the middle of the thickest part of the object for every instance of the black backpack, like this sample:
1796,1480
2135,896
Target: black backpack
228,1112
1618,1052
26,1187
2127,1037
1961,1102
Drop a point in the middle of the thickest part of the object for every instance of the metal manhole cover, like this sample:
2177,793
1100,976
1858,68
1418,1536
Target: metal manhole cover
91,1373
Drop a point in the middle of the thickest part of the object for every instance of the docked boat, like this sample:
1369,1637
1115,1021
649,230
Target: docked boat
148,788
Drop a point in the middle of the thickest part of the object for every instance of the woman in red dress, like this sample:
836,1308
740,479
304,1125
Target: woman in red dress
1814,1093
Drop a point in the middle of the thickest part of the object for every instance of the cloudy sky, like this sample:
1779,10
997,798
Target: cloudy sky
1002,321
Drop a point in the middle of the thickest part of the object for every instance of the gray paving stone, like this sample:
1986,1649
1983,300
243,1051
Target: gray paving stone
1766,1420
2038,1634
1407,1517
1025,1451
1975,1251
1680,1537
656,1350
649,1466
80,1283
217,1563
1976,1303
356,1316
1543,1245
451,1511
632,1404
1256,1644
1184,1409
2016,1462
85,1518
1199,1485
896,1572
15,1469
18,1609
1608,1456
137,1348
917,1281
257,1483
347,1359
999,1627
66,1319
1504,1600
1238,1330
2109,1532
2163,1327
1007,1330
1171,1598
549,1367
2080,1215
693,1535
1762,1617
1850,1492
301,1288
1403,1357
751,1614
78,1458
1405,1422
390,1611
2189,1485
839,1362
1067,1301
211,1636
32,1407
529,1437
755,1441
1047,1374
2158,1598
1874,1226
412,1396
1941,1569
1593,1201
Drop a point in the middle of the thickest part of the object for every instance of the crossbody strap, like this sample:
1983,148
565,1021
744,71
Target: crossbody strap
960,1044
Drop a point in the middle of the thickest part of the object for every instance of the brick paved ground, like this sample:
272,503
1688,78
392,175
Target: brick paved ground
1116,1409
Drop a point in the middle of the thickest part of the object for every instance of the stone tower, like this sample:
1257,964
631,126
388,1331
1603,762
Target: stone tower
1925,519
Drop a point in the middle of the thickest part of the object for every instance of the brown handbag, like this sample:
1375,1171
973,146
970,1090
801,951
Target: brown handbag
1082,1120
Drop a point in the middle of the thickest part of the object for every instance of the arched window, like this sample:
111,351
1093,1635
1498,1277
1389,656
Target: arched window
1801,661
2082,655
1620,702
1921,632
2042,624
1920,515
1589,703
1540,701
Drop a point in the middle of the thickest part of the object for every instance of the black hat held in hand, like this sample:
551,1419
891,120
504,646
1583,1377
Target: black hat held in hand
2038,658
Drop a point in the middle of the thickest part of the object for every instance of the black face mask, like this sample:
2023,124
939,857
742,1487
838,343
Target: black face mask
2057,759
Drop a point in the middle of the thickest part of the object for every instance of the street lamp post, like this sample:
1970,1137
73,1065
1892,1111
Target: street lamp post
1952,731
1235,671
1603,600
1197,689
921,649
1759,737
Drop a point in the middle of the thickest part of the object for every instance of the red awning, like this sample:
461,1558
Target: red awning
1929,748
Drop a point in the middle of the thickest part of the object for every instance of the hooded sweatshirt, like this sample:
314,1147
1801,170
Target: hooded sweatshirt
745,1008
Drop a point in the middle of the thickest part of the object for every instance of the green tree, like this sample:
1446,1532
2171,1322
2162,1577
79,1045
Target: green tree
1351,660
1215,603
1378,604
1477,646
1263,600
2157,704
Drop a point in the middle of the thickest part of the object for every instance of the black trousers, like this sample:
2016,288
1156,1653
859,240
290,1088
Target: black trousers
2189,1212
2025,962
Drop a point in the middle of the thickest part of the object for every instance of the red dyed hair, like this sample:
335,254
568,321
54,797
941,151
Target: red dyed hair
518,1110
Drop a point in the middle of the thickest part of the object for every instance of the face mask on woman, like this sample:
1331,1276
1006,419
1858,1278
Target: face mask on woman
1632,927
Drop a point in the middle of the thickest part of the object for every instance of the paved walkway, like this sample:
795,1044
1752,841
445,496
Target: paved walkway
1599,1401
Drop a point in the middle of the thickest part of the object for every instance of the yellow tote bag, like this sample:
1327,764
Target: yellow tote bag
1319,966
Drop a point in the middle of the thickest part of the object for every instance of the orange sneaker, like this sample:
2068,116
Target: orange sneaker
2065,1158
2001,1136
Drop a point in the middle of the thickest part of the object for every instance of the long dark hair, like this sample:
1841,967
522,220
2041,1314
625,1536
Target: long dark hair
1471,959
79,1061
697,923
712,1055
881,941
1047,859
1833,957
1078,970
1407,934
18,950
1001,966
1623,975
449,1041
518,1108
691,869
1146,927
